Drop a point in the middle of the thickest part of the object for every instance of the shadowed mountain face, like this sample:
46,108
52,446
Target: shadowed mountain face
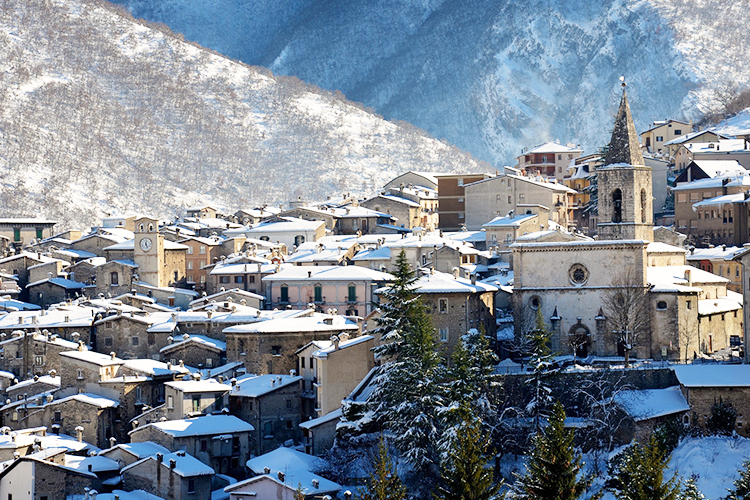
489,76
100,113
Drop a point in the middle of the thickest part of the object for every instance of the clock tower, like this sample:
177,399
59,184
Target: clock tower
148,251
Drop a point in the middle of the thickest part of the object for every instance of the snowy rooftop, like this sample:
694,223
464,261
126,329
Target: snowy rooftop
713,375
140,450
652,403
514,221
61,282
314,422
552,147
737,178
721,252
93,357
236,293
130,245
196,339
189,386
327,273
316,323
659,247
325,351
675,275
254,387
208,425
437,282
718,201
186,465
153,368
90,399
297,467
91,464
720,304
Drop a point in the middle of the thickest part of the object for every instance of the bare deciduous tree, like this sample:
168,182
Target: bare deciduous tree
626,306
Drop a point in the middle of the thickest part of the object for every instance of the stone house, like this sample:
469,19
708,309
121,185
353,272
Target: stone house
661,132
271,404
18,266
177,476
70,322
291,231
219,441
134,393
84,271
705,385
318,434
28,353
133,336
54,290
29,477
90,417
648,408
244,276
82,371
236,295
335,369
269,346
129,453
96,242
115,277
344,288
455,305
500,195
193,398
49,269
196,350
32,387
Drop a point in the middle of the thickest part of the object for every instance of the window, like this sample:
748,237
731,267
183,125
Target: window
643,205
39,360
461,215
617,206
688,304
58,416
443,335
318,293
284,293
251,279
204,444
176,276
678,131
170,402
535,302
151,338
460,182
134,341
659,138
224,279
288,404
196,403
238,279
661,305
108,342
16,234
39,233
302,362
276,350
190,251
443,306
114,278
191,484
202,250
190,264
80,375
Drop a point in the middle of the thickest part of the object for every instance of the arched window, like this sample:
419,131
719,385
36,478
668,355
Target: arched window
617,206
643,205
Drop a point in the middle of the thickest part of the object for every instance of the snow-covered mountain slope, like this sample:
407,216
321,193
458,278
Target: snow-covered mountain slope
491,76
100,113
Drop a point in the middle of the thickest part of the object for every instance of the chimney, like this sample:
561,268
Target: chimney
455,273
281,476
689,277
172,463
335,339
266,470
316,484
112,355
159,458
79,433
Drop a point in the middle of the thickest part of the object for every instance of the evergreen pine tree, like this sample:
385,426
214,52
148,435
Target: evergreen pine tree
468,387
741,490
409,393
384,483
690,491
543,369
640,475
553,465
722,420
464,474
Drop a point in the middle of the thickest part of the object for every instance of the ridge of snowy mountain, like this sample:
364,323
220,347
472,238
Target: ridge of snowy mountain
101,113
489,76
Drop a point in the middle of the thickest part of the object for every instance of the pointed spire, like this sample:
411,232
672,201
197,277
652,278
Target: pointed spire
624,146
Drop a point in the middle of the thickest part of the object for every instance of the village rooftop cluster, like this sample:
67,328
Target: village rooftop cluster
210,354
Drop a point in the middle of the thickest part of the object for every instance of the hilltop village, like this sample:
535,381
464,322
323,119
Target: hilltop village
209,356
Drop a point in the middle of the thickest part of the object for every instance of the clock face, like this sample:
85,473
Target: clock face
146,244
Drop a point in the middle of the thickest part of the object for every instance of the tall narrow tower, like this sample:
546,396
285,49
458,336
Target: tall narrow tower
625,186
148,251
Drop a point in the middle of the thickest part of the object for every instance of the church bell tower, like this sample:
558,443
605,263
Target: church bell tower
625,189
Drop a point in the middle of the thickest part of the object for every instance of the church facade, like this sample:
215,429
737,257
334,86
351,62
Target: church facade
623,294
